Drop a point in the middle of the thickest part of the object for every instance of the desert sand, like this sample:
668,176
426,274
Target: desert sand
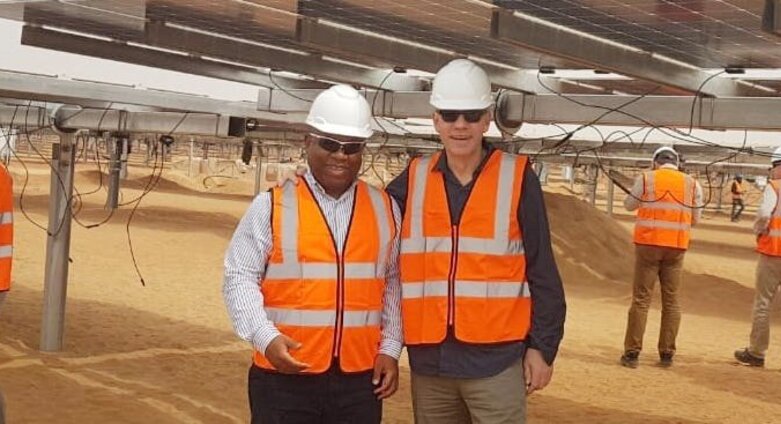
166,353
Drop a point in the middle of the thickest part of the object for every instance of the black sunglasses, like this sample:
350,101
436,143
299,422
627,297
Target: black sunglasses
333,145
470,116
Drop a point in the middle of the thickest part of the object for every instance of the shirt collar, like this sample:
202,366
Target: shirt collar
312,181
668,166
441,165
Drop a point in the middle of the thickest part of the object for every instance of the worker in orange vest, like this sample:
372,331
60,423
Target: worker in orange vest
483,304
737,198
668,204
767,227
312,281
6,230
6,243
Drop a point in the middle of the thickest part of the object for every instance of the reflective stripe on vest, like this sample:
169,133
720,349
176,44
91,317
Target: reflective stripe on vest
479,289
301,318
6,228
329,301
770,243
665,214
470,274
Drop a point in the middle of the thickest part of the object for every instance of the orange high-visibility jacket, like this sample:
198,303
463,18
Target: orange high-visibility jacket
330,302
770,243
6,228
737,190
470,274
665,214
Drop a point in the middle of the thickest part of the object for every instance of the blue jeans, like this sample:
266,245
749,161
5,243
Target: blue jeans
333,397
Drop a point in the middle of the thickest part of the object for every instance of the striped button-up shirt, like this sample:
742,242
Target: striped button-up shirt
248,253
765,210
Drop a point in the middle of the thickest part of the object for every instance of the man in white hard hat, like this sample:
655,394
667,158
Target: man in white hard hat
767,228
483,304
668,204
311,280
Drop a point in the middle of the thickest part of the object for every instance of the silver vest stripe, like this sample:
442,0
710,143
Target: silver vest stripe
427,289
465,245
688,196
481,289
492,289
382,218
297,271
667,206
353,319
418,196
504,195
301,318
663,224
289,218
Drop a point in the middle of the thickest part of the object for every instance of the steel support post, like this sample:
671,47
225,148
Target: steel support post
58,244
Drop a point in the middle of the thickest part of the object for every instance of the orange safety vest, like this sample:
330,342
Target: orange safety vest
665,214
737,190
6,228
469,274
330,302
770,243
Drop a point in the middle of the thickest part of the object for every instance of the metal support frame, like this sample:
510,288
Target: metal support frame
593,181
674,111
771,17
397,104
58,244
611,187
385,51
179,38
115,168
124,152
46,88
539,35
124,52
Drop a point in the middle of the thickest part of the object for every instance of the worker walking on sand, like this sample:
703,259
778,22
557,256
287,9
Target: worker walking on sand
737,198
668,204
483,304
767,227
6,245
311,280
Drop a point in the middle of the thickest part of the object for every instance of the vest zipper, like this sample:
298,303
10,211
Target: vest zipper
339,303
451,279
338,324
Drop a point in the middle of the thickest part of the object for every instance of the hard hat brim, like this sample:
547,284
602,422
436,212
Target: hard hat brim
343,130
460,104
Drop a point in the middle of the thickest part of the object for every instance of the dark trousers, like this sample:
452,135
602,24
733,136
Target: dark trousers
329,398
737,209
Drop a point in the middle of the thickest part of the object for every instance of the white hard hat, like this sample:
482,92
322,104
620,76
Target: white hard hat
461,85
776,157
341,110
667,149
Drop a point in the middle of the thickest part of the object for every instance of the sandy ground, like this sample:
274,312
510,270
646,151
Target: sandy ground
165,353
